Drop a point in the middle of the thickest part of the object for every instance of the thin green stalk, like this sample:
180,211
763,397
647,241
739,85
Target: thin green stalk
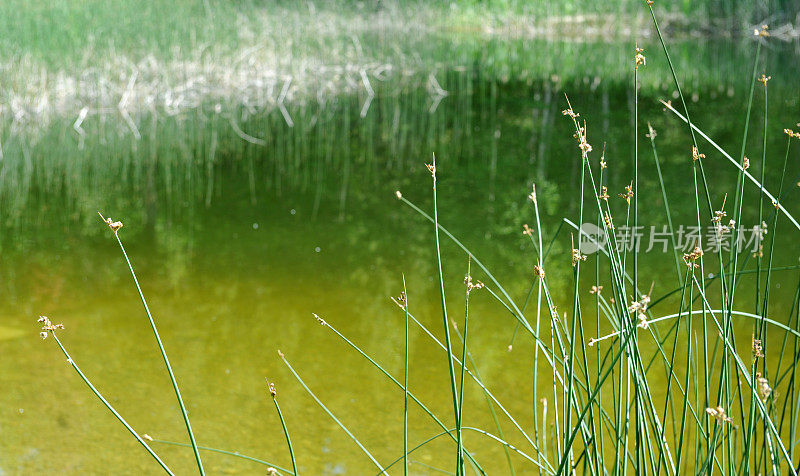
235,454
747,174
749,383
274,394
397,382
636,227
330,414
450,433
108,405
405,383
444,318
463,365
491,407
184,413
758,329
652,135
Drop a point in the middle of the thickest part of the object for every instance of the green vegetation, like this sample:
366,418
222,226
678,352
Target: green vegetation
629,369
731,399
63,32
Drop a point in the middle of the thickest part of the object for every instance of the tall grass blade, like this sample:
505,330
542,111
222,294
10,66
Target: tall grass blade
115,226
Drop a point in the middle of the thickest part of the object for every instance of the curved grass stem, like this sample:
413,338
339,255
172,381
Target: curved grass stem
108,405
184,413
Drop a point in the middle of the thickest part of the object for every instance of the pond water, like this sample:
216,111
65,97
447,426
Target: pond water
237,243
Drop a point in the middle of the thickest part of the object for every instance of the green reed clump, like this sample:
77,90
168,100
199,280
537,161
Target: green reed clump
652,392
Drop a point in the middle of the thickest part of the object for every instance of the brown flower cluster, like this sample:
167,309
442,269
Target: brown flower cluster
577,256
690,258
719,414
696,155
628,193
114,225
48,326
470,285
271,387
639,59
758,349
763,32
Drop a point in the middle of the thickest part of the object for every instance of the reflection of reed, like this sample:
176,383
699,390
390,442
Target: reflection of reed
186,160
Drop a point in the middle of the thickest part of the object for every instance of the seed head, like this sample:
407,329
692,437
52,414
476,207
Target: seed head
577,256
432,169
569,112
696,155
583,145
470,285
48,326
640,309
758,350
320,320
690,258
114,225
271,387
763,388
532,196
639,59
609,222
651,134
628,193
719,414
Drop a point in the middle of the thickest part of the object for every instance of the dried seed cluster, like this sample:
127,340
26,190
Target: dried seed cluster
114,225
48,326
628,193
758,350
690,258
697,155
639,59
640,309
470,285
719,414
